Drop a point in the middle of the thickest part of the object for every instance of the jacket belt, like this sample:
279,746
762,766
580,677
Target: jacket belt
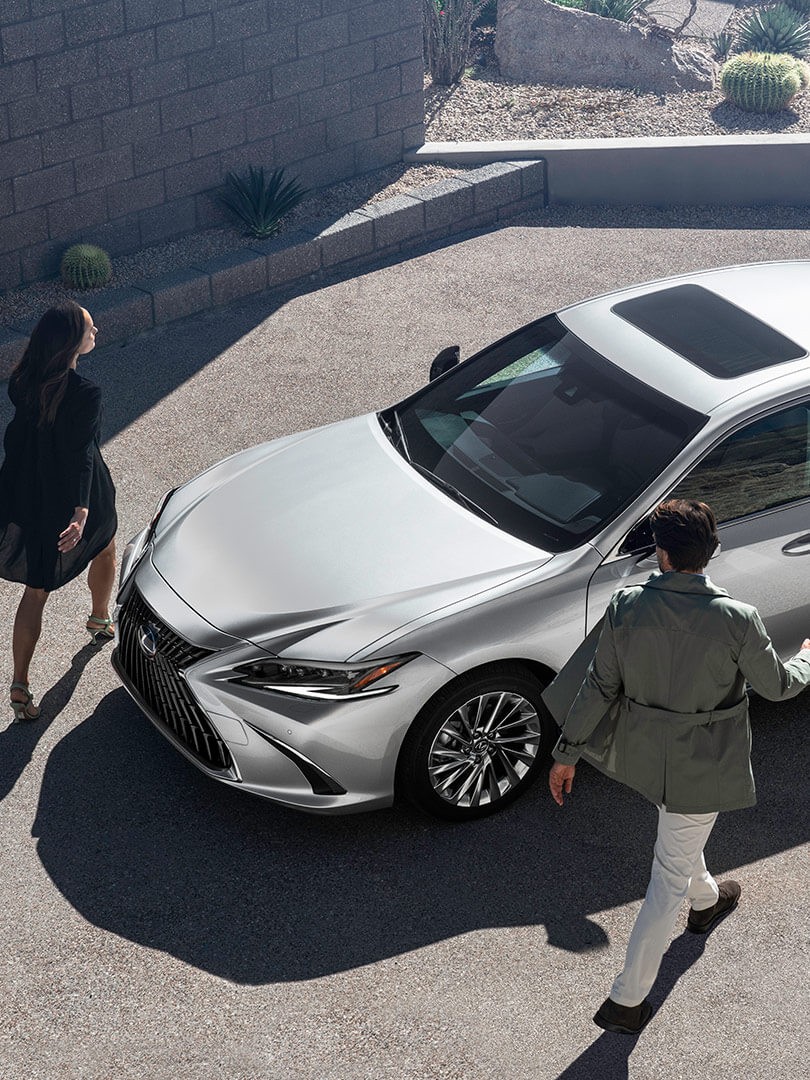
649,712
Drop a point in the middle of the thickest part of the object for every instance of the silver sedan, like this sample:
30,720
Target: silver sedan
373,608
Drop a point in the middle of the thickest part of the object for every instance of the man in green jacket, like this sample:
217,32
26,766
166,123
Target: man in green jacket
663,708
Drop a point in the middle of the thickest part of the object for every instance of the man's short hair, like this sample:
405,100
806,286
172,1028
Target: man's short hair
687,531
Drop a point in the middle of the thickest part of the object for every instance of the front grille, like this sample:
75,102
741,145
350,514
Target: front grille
157,680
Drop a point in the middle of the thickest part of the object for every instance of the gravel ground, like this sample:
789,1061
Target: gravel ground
483,106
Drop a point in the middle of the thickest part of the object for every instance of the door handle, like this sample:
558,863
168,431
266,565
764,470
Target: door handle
799,546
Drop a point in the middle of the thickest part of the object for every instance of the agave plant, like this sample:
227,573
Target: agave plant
778,29
258,202
621,10
722,44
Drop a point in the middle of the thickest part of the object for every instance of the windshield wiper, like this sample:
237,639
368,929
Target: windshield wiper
395,432
453,492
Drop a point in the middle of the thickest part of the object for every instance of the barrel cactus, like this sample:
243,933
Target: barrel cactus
761,82
85,266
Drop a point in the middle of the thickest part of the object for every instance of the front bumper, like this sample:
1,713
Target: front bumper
314,755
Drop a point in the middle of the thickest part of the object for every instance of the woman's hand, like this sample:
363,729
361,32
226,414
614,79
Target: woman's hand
560,780
73,533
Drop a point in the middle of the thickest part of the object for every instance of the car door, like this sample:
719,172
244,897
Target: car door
757,481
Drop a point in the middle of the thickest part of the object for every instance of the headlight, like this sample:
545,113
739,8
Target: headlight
307,678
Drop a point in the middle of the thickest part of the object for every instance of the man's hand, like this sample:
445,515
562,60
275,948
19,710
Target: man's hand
805,645
560,780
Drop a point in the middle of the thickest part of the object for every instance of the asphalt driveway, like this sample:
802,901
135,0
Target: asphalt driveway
154,924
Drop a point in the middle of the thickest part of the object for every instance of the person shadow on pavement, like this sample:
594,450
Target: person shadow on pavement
19,740
608,1057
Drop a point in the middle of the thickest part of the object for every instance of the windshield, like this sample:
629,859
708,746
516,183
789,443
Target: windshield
544,435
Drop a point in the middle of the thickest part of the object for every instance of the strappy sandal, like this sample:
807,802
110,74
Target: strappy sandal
24,710
102,629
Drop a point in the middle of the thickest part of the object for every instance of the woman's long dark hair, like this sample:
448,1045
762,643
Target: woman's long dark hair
41,376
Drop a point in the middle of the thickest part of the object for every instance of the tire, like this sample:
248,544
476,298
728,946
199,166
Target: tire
455,762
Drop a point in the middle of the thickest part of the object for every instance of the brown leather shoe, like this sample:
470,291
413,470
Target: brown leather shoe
623,1019
701,922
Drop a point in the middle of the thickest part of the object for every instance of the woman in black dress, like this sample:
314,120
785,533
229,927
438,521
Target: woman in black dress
57,499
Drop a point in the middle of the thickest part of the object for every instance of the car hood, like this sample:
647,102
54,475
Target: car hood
317,545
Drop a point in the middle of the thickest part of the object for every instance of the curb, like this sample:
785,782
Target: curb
482,197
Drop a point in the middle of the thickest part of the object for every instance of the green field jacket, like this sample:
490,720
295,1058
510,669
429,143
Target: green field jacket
663,707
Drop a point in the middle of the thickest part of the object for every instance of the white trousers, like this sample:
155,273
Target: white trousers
678,871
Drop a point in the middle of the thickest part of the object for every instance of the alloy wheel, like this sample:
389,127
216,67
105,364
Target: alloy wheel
484,749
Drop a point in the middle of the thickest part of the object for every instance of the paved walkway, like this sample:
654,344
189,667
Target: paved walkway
709,19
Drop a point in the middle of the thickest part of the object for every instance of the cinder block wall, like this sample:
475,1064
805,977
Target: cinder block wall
118,118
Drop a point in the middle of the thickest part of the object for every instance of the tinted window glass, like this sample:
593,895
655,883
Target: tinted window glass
712,333
765,464
545,435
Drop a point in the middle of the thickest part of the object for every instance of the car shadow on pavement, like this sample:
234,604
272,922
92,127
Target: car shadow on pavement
145,846
18,741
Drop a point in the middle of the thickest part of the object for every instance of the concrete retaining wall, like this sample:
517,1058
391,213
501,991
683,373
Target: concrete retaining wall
728,170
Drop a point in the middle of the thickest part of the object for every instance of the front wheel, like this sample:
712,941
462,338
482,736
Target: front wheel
478,745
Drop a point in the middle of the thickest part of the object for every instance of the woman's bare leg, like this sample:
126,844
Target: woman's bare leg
101,580
27,628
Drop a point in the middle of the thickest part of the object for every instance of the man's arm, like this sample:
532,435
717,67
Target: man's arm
601,687
764,670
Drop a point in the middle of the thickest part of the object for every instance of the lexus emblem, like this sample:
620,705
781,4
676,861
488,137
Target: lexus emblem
148,640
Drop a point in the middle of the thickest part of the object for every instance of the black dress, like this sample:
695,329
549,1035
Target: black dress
48,472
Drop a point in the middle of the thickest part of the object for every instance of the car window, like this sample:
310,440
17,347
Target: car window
544,435
763,465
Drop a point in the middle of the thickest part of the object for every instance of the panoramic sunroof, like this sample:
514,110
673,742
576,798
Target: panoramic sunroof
707,330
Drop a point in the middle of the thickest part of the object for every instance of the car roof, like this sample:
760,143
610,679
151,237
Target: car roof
776,293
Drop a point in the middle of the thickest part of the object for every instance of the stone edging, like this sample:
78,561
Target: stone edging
481,197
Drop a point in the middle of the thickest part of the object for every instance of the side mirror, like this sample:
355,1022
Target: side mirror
446,359
639,541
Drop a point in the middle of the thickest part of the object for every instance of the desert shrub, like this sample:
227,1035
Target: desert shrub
762,82
801,7
582,5
260,203
447,26
85,266
778,29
